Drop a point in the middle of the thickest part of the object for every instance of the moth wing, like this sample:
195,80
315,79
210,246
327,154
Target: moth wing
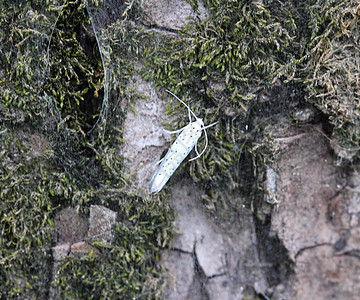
161,176
173,158
158,180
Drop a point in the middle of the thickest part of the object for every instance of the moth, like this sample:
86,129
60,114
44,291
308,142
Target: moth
185,142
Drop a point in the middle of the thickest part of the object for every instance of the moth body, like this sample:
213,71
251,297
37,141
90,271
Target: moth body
185,142
182,146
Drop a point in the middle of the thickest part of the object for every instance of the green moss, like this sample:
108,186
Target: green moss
24,35
220,65
48,162
32,190
243,42
76,69
25,214
126,268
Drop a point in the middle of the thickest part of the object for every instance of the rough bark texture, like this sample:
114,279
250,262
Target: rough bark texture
300,239
314,225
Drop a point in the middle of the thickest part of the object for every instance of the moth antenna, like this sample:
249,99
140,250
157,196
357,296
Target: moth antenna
174,131
189,115
183,103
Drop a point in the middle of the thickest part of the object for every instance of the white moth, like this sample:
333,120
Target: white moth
189,135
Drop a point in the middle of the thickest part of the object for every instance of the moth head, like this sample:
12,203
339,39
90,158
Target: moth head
199,123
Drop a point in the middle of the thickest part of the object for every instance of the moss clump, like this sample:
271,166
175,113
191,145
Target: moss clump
29,192
34,187
76,71
332,70
25,29
234,54
240,41
48,162
126,268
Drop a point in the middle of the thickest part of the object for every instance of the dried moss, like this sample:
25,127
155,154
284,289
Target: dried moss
332,70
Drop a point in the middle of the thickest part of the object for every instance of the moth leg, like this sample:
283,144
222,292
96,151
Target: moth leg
189,113
196,157
174,131
206,144
196,150
160,161
206,127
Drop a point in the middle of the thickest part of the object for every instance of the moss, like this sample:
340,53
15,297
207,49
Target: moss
76,68
226,63
32,190
126,268
219,66
227,67
243,42
49,162
332,71
24,27
25,213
